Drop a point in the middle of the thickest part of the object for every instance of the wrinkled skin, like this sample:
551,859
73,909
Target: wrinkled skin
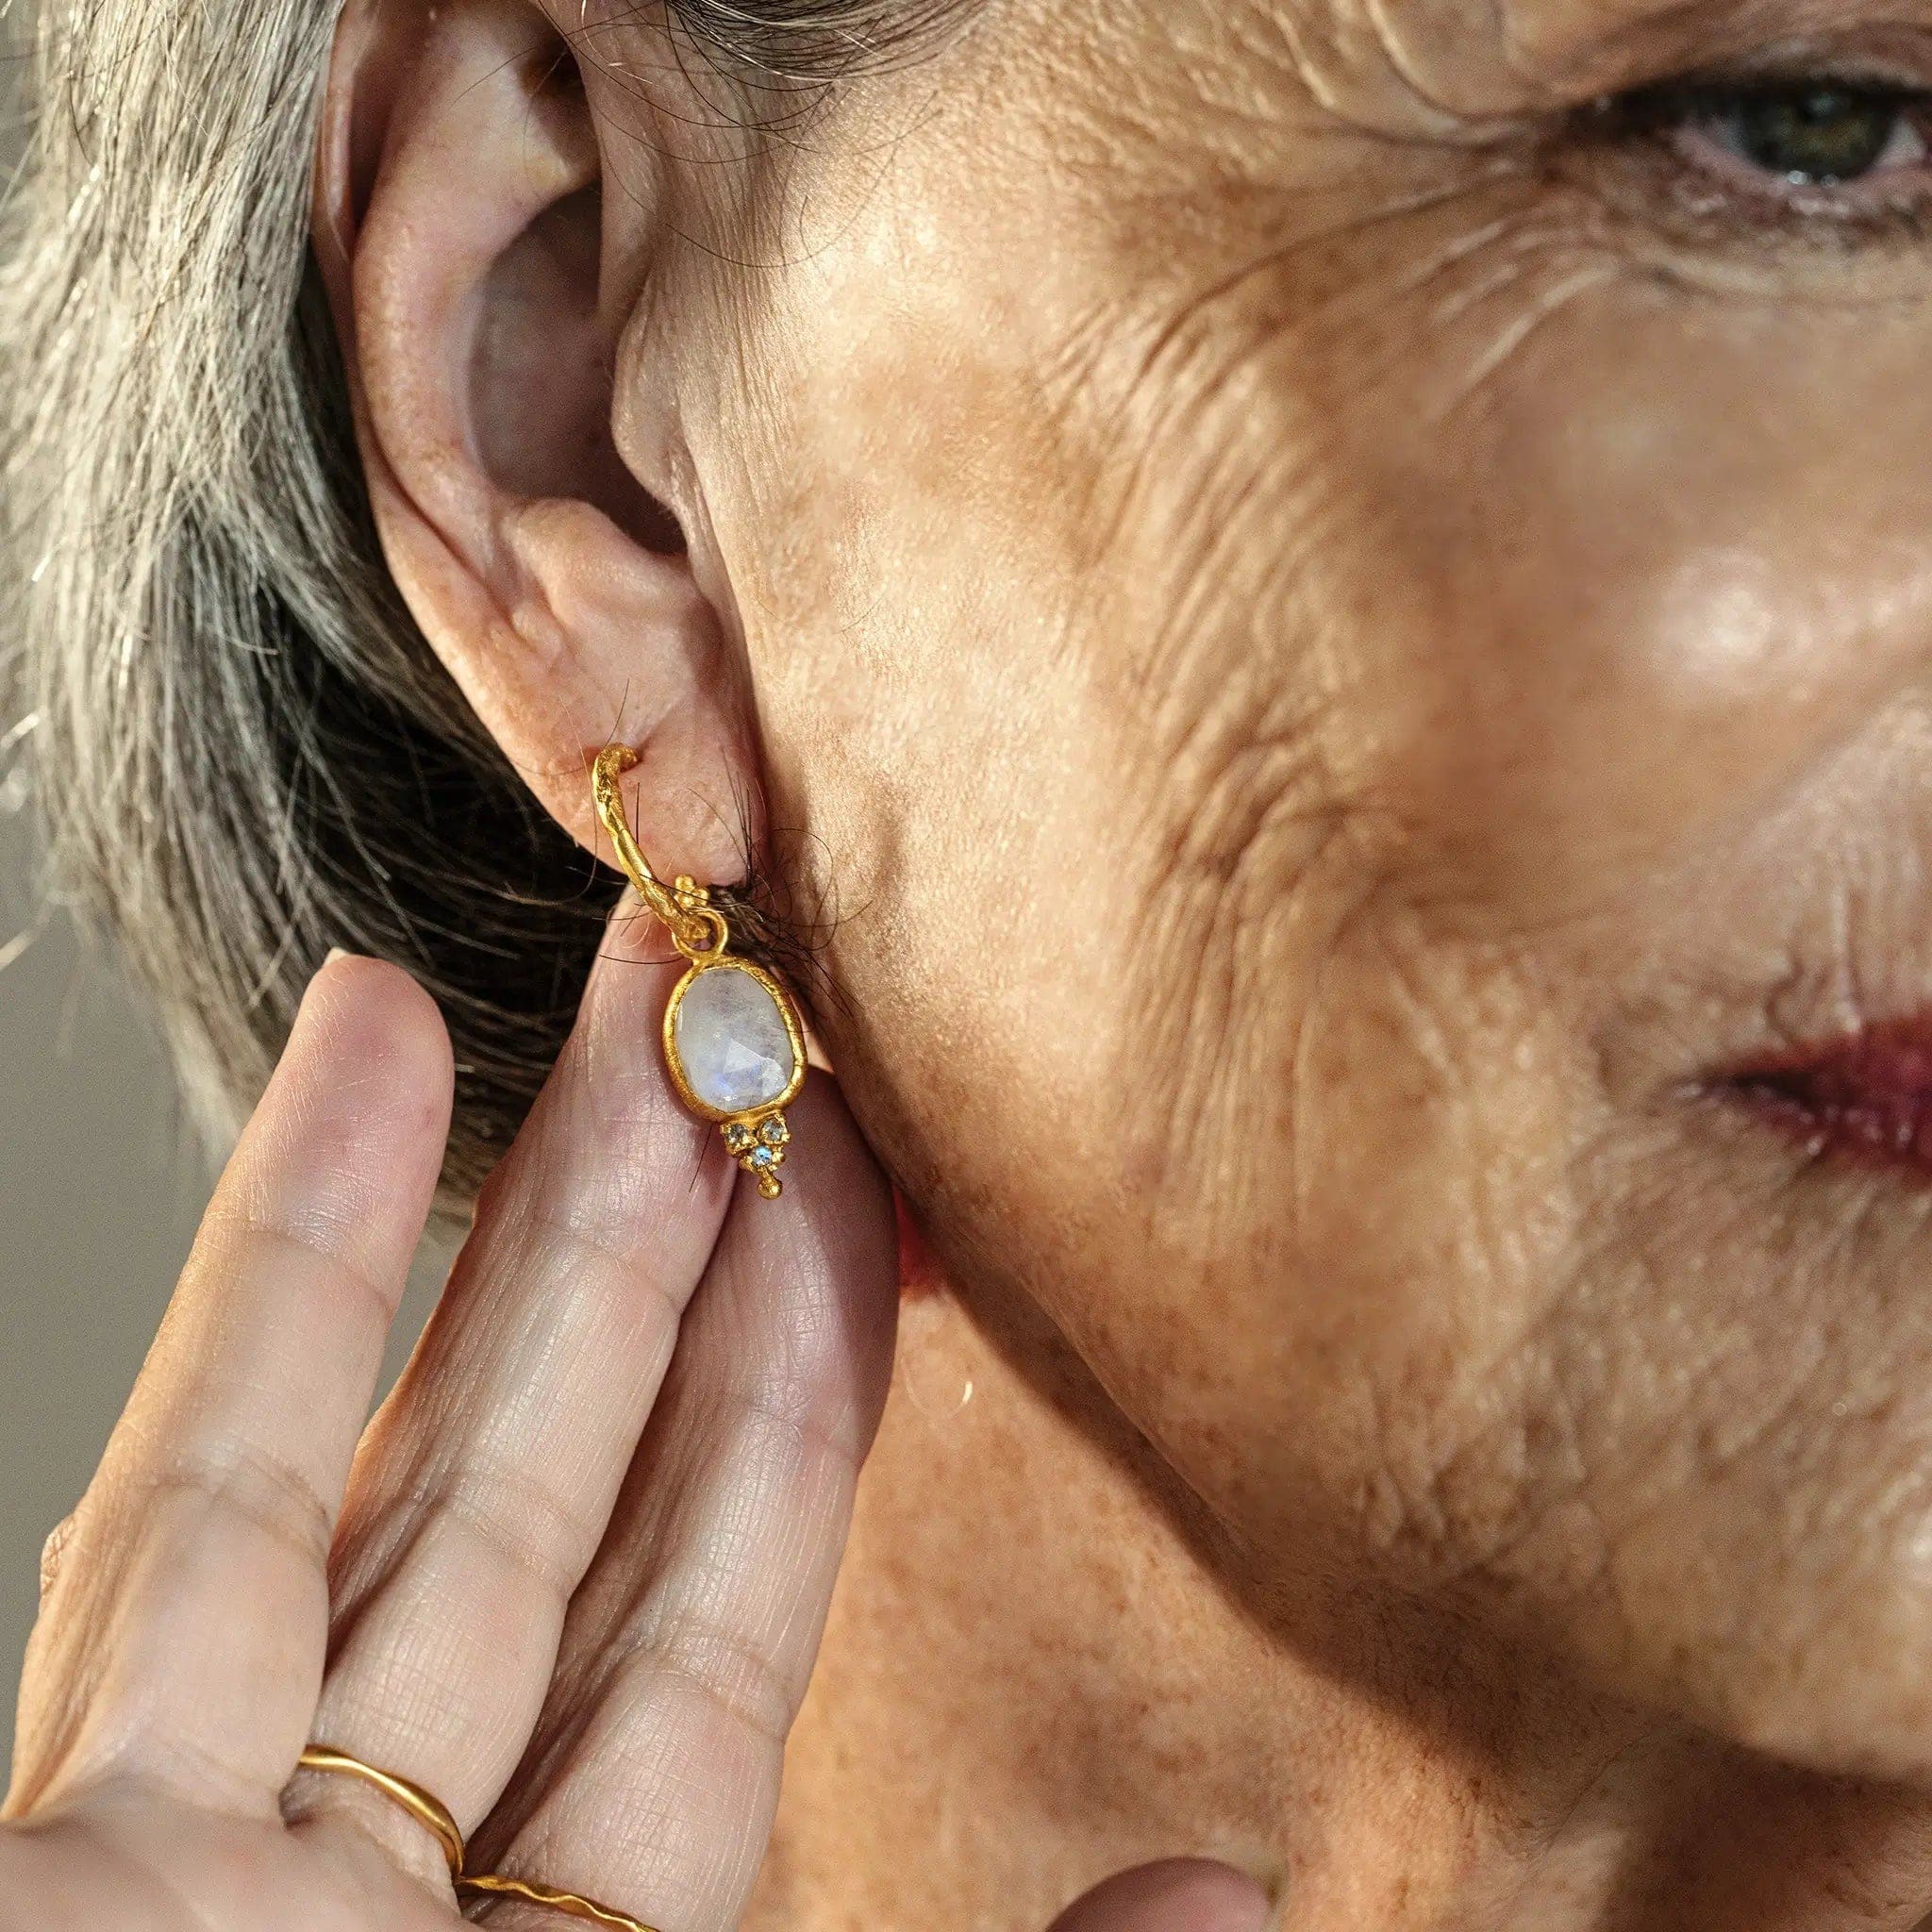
1342,643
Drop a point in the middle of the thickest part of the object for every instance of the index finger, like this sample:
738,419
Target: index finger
183,1636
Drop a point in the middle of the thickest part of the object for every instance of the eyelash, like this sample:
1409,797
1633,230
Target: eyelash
1699,132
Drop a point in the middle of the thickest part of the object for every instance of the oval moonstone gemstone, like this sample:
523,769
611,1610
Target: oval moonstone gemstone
731,1041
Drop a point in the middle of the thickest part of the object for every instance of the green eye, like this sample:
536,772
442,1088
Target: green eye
1819,153
1816,134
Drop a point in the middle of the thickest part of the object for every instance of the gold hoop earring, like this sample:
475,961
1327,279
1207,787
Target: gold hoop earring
733,1040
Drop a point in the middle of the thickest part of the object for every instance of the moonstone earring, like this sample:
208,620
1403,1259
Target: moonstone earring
733,1040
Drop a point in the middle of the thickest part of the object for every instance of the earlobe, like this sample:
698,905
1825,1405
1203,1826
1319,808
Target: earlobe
457,222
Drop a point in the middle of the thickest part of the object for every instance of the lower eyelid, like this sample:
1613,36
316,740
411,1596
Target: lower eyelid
1662,191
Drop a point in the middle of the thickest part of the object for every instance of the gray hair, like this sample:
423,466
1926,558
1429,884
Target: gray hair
243,750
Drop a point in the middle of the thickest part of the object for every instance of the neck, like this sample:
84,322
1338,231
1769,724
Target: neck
1043,1667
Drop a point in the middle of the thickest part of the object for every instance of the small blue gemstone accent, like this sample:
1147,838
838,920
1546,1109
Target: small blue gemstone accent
762,1156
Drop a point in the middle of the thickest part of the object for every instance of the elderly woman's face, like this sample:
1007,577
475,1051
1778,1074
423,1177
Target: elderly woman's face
1349,626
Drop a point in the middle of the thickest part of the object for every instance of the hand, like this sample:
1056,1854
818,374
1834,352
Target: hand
571,1578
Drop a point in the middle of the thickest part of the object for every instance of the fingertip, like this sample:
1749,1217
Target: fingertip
372,1018
829,1157
841,1193
1175,1895
352,1126
633,934
357,977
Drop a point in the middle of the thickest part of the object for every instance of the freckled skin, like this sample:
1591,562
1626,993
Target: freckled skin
1336,656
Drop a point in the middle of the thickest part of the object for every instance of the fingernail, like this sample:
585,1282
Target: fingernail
328,959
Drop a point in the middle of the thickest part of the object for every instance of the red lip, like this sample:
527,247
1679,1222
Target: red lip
1867,1096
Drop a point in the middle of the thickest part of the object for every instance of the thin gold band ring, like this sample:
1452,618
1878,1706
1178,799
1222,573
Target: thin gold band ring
431,1813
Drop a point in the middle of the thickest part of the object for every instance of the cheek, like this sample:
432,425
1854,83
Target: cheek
1668,556
1065,675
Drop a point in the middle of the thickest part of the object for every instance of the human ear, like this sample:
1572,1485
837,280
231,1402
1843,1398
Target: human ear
459,222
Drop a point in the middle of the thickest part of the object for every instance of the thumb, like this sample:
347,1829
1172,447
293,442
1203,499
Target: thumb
1176,1895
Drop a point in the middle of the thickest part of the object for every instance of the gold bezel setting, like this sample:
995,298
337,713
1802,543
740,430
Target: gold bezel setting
756,1138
